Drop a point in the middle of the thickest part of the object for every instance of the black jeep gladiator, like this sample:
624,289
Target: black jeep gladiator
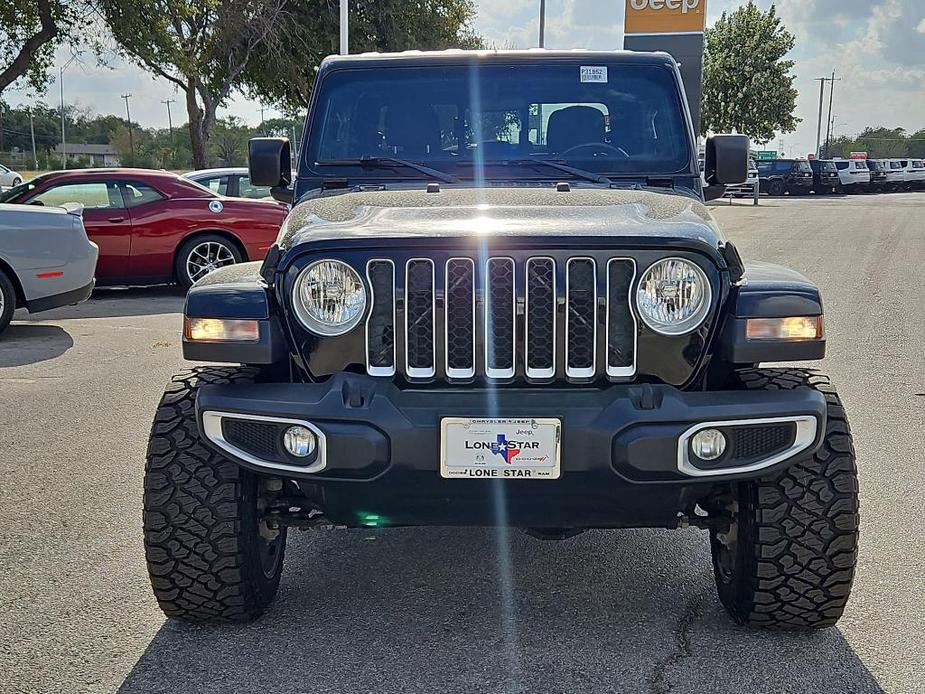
499,300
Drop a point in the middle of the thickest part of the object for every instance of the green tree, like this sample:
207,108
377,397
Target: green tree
747,85
201,46
375,25
879,143
917,144
30,31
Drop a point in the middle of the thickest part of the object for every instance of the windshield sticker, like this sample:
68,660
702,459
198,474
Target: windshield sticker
594,73
216,206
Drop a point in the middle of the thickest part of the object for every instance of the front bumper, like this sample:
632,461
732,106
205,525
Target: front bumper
621,462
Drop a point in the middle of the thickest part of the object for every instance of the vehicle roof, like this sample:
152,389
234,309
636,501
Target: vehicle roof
216,172
111,173
462,57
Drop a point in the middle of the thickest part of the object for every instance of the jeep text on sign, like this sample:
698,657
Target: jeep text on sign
665,16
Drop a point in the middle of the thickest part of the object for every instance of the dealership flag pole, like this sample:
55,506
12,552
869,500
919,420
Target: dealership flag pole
344,48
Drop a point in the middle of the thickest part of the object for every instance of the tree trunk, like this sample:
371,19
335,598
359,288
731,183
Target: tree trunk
198,138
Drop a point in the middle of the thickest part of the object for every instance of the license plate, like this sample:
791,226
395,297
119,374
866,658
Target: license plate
500,448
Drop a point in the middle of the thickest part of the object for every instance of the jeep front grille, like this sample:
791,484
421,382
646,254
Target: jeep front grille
540,317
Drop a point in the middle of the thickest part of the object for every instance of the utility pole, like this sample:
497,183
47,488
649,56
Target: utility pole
542,23
128,117
2,143
263,127
828,134
35,159
822,81
167,103
344,33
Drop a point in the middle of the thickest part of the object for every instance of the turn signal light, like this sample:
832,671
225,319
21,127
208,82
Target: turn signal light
221,330
791,328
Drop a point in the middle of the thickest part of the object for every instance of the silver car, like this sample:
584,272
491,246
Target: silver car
46,259
8,177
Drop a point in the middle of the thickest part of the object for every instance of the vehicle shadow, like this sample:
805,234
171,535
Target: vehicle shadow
22,343
479,610
113,302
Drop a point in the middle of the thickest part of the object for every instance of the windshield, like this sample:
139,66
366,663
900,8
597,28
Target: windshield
622,119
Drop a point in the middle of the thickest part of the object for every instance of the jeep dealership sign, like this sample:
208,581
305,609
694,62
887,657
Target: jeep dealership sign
676,27
665,16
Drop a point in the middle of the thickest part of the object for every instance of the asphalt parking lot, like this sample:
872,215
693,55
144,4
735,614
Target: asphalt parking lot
455,610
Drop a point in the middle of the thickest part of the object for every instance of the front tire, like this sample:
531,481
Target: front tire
203,254
787,560
210,557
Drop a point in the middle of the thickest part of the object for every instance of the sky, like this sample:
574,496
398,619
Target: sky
877,48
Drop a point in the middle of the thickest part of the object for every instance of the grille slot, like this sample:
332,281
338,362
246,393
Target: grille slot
460,318
621,322
257,438
761,441
420,348
380,325
580,318
499,318
540,328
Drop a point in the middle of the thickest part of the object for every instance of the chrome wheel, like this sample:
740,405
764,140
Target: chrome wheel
206,257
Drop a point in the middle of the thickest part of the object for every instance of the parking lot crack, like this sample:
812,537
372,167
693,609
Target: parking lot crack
659,682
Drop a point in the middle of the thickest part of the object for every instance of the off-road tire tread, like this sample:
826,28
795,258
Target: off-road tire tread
201,566
800,567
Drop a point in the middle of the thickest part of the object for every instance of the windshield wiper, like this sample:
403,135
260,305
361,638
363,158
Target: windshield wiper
386,162
565,168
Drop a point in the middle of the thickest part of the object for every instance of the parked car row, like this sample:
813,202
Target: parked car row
154,226
800,176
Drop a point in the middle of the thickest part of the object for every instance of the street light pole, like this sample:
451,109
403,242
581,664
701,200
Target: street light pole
128,117
542,23
61,85
63,141
344,34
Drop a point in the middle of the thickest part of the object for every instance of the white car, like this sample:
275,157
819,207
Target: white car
914,170
751,183
8,177
853,175
895,174
46,259
235,182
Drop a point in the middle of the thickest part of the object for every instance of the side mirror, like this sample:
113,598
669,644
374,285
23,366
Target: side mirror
269,162
726,160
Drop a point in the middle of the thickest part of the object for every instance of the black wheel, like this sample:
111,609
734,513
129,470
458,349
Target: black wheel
787,560
210,557
16,182
776,188
7,300
203,254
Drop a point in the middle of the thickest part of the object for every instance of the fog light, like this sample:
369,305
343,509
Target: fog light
299,441
708,444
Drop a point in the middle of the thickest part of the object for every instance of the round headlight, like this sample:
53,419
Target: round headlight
329,297
673,296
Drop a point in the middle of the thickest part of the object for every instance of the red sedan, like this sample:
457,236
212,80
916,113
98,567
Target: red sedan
155,226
